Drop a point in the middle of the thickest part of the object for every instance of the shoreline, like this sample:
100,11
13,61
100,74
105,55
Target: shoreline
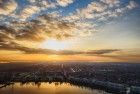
89,83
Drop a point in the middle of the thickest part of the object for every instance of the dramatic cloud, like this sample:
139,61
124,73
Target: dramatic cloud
38,20
38,29
7,6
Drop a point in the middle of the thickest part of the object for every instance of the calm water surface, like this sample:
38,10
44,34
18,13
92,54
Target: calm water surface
47,88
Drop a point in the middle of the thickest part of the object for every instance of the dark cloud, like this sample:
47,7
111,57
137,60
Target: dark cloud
38,29
69,52
26,50
105,51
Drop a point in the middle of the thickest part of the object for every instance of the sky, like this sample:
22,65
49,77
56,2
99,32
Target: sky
70,30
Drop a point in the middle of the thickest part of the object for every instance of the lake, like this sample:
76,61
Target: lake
47,88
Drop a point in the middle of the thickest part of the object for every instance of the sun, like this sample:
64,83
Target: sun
54,44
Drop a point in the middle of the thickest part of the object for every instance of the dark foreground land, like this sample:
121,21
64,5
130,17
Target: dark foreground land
118,78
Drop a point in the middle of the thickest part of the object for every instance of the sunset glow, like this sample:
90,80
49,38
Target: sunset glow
70,46
84,30
54,44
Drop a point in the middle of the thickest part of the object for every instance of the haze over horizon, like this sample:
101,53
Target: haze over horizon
70,30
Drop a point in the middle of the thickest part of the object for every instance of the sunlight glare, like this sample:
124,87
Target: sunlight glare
54,44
